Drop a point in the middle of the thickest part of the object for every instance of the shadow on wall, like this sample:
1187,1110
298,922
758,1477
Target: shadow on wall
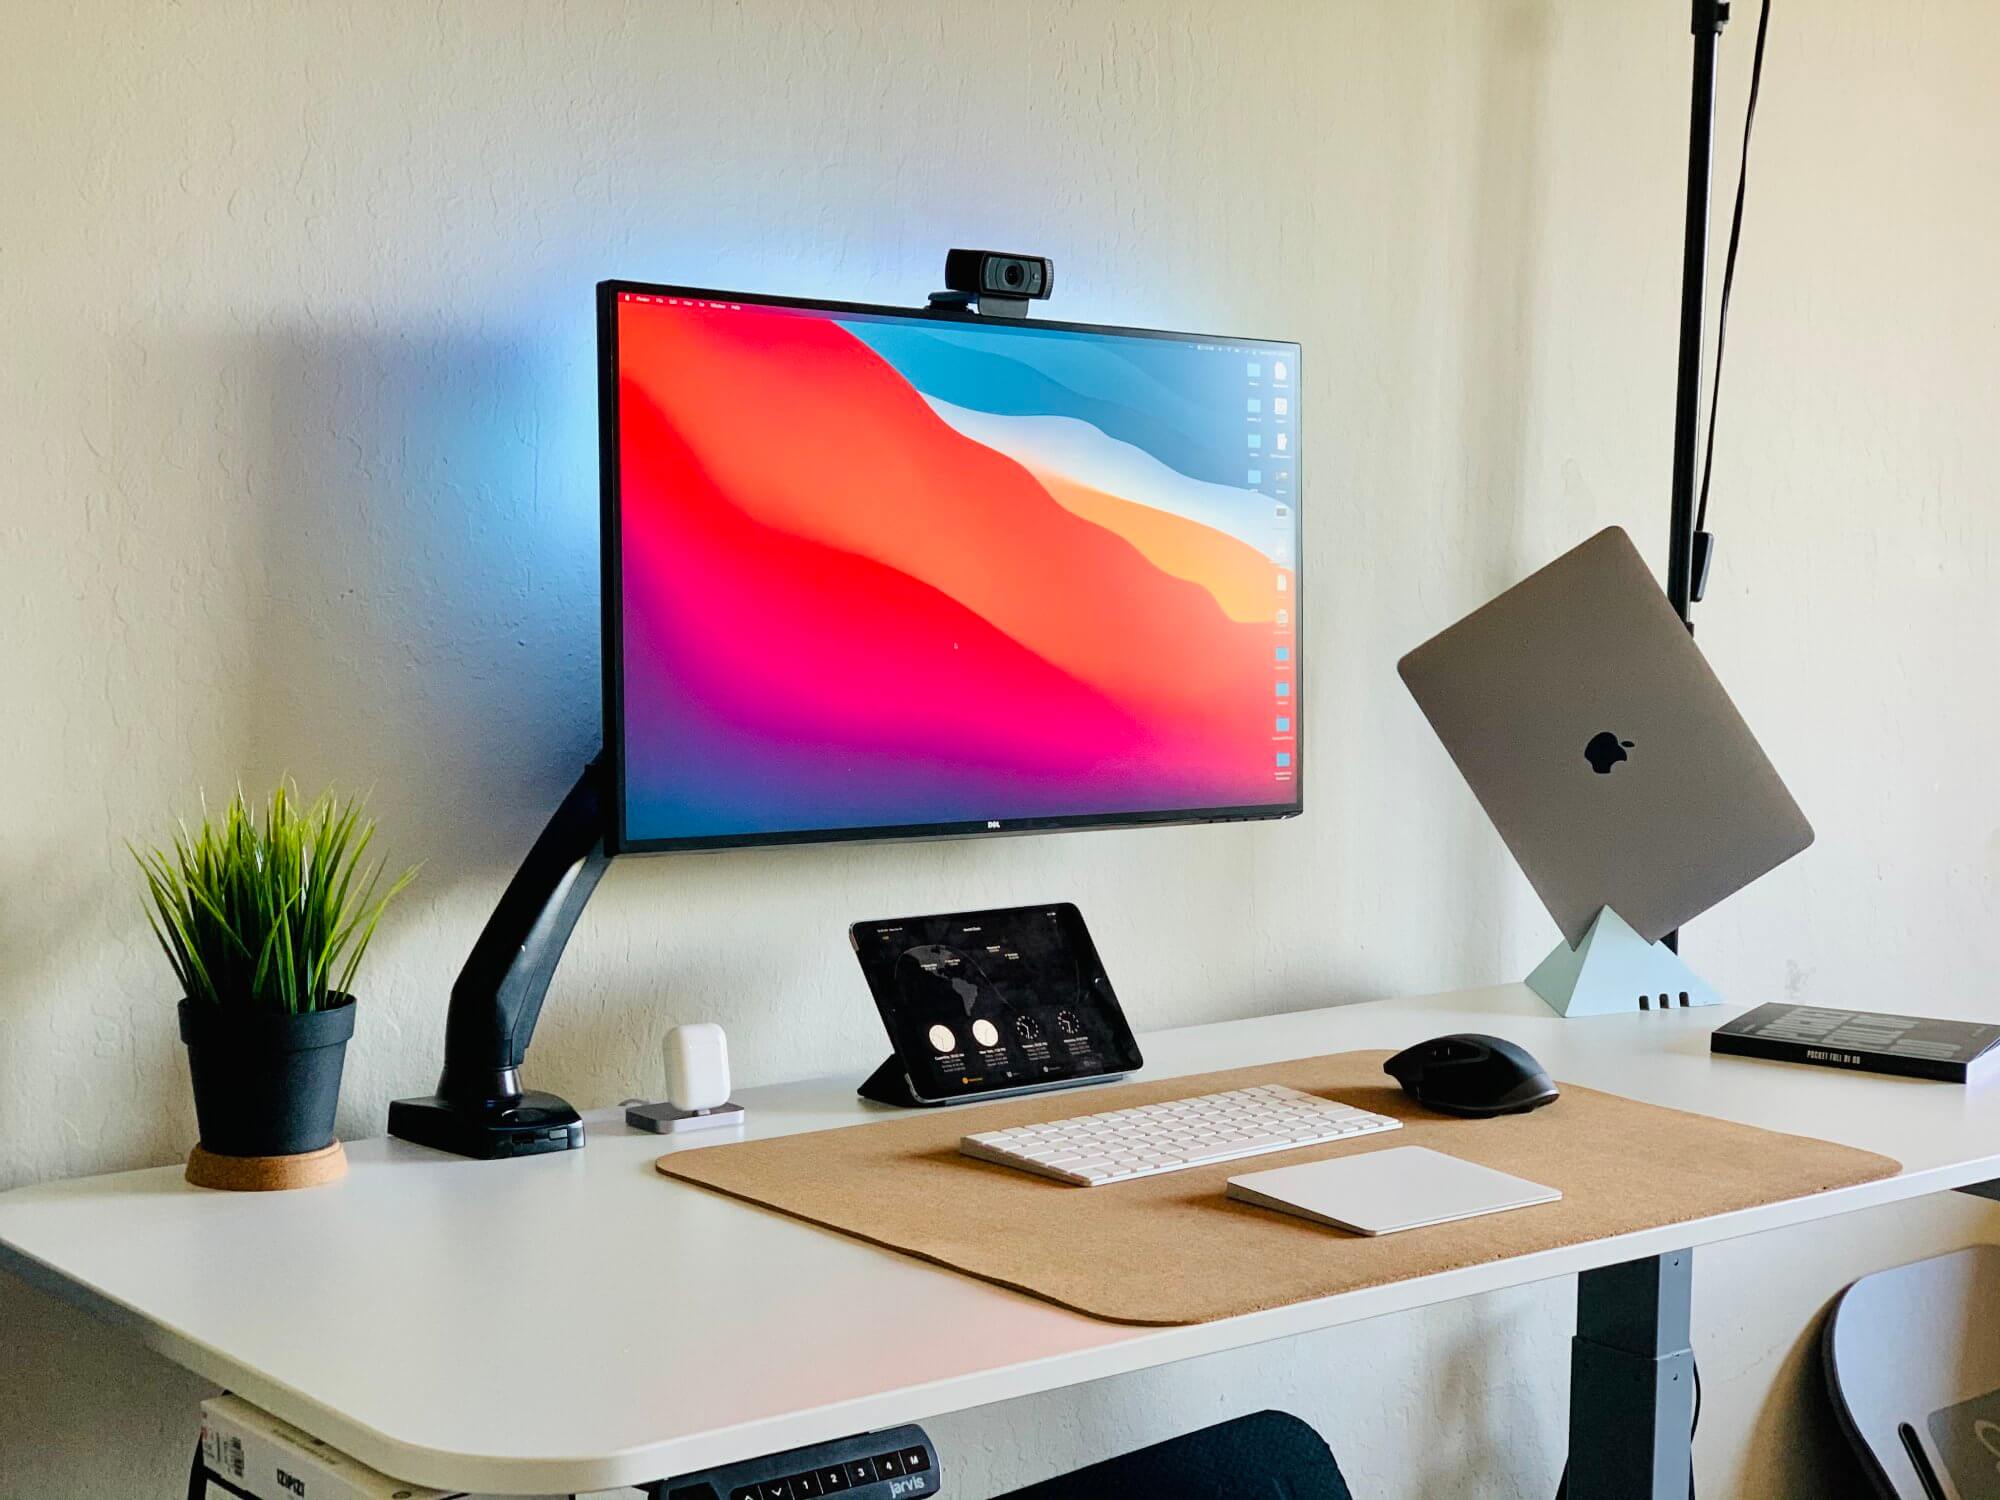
1498,312
416,537
83,1400
1798,1418
1498,319
420,550
374,565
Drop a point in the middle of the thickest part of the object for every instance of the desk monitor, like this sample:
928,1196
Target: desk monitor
875,573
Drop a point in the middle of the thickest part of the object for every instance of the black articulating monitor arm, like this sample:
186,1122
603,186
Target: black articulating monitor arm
479,1108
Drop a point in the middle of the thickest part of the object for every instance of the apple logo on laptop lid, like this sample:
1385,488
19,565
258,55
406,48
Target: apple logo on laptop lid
1605,750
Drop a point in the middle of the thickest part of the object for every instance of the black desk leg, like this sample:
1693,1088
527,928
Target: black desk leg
1631,1381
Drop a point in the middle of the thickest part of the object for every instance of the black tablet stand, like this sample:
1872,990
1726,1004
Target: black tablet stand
890,1084
480,1108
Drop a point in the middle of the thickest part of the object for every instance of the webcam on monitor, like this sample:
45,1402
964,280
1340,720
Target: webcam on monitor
996,283
999,273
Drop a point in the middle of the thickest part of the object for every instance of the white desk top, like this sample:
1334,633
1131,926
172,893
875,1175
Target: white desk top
577,1321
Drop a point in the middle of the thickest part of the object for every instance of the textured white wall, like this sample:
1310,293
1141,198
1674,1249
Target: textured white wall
297,473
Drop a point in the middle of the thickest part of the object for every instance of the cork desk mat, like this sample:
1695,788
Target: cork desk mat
1173,1249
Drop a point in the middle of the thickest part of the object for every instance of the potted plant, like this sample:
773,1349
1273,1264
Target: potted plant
265,924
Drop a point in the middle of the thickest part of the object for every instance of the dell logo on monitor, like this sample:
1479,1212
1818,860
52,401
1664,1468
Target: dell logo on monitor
990,823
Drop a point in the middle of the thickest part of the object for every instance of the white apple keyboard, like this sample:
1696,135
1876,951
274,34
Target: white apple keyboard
1148,1139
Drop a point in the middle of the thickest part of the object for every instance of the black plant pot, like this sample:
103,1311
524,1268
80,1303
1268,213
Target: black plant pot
265,1083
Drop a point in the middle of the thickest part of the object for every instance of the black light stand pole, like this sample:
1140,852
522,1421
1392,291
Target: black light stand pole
1687,552
1632,1371
1688,555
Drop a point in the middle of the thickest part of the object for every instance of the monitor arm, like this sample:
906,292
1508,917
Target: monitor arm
479,1108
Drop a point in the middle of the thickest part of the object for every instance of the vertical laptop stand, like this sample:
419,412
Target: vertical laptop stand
1614,971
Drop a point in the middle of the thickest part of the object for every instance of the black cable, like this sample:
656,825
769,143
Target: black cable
1729,264
1695,1365
1562,1485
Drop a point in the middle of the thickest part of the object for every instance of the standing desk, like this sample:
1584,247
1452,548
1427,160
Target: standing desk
576,1321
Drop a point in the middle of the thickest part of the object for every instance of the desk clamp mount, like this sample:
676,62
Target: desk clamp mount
480,1109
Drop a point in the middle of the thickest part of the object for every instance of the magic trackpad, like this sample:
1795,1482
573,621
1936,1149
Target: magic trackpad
1382,1192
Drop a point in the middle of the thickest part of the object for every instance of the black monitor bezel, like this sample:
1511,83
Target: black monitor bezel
612,603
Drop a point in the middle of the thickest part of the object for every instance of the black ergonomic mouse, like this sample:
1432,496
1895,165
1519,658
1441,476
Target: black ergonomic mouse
1473,1075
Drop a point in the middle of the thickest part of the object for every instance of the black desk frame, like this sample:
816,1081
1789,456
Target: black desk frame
1631,1381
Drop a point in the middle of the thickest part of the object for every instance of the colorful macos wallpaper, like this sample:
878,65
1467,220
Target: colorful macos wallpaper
882,572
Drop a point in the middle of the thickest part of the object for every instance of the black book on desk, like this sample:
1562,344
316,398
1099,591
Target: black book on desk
1864,1040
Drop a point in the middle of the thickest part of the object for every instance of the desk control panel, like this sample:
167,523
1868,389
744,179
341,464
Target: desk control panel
897,1464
